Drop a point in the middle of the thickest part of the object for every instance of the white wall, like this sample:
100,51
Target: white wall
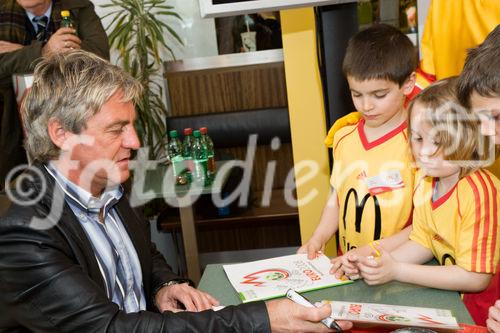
423,9
197,34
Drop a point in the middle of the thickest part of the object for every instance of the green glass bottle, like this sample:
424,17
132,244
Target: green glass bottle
209,145
187,153
200,160
175,154
66,20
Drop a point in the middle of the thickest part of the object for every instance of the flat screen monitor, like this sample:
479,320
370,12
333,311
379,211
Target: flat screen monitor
220,8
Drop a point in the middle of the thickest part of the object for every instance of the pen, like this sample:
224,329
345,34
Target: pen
372,245
299,299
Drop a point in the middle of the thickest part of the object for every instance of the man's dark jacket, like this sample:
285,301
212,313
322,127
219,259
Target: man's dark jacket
50,280
16,28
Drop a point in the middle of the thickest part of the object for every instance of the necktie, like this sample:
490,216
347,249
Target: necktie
41,22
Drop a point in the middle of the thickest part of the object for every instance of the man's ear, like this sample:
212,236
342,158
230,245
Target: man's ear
57,133
409,84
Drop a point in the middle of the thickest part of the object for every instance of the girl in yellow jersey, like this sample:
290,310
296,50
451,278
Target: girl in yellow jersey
456,205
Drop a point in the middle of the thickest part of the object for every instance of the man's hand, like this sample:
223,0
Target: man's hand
313,248
493,321
8,46
178,297
287,316
63,40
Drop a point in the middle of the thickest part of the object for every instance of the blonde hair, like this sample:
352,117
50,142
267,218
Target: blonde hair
454,125
71,88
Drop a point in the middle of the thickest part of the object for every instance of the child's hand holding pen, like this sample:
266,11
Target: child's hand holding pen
378,268
348,264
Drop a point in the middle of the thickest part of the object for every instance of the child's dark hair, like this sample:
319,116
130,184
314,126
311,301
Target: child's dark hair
380,52
481,73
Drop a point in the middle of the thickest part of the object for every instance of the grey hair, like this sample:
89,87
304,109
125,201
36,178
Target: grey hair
70,88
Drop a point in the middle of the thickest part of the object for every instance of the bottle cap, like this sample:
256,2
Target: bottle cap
64,13
203,130
197,134
173,133
188,131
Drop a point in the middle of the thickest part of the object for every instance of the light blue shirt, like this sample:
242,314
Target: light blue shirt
113,248
47,14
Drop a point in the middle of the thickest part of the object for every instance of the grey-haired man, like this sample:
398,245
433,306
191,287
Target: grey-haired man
75,256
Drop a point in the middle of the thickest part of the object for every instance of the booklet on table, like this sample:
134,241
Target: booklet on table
271,278
371,314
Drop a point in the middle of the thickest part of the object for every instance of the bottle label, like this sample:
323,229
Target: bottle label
188,168
66,24
189,165
211,164
177,165
200,170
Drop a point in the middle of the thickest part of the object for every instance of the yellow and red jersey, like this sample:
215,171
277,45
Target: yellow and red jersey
461,227
374,184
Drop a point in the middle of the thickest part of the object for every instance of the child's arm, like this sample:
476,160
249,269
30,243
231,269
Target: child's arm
346,264
328,225
405,265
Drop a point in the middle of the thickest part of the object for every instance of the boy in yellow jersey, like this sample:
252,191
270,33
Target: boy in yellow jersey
457,205
372,178
479,89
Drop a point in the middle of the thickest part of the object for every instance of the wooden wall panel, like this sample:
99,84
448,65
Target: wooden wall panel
263,155
258,235
232,89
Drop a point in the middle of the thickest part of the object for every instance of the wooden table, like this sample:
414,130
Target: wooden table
159,183
215,282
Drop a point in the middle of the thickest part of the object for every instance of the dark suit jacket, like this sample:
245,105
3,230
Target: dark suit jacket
50,280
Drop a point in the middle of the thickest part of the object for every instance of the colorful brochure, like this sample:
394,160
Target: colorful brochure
271,278
370,314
